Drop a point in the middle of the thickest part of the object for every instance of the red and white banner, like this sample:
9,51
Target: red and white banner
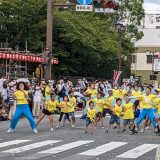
116,76
25,57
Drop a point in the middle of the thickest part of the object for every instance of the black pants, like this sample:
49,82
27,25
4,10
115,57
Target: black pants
61,116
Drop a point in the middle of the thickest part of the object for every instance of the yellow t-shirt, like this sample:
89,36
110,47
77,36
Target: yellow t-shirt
116,93
47,91
136,93
51,106
122,93
128,111
147,101
108,102
92,92
156,103
65,106
117,111
159,109
99,104
20,96
72,103
91,113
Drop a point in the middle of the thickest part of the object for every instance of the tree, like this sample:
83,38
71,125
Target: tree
86,44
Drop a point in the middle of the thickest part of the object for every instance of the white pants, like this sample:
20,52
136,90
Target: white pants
12,110
36,109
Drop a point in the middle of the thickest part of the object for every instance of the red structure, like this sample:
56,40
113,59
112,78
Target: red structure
20,61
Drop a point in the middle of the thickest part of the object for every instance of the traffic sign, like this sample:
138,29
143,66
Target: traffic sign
84,2
104,10
86,8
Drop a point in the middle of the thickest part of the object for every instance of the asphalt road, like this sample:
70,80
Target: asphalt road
68,143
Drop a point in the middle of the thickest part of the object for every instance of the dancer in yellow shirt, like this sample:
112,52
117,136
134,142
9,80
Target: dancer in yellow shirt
91,116
115,117
128,110
49,109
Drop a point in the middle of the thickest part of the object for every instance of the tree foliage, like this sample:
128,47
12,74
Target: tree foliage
86,44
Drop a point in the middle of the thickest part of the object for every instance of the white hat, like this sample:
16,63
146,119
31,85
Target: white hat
11,84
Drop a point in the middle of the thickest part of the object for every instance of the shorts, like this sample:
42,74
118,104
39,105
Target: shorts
136,104
47,112
71,114
114,119
128,121
105,111
88,121
99,115
136,113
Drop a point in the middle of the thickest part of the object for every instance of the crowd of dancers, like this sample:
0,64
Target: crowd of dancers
129,103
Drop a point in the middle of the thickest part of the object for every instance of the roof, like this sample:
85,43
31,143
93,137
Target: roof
151,38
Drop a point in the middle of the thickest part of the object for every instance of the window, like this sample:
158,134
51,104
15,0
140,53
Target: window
149,58
132,58
158,19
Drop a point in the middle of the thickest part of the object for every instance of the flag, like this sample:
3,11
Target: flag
116,76
158,53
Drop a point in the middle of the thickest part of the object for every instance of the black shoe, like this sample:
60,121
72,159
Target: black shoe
157,130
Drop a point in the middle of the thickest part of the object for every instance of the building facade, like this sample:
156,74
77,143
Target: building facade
148,49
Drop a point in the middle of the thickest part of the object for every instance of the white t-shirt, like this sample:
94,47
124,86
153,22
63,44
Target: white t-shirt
37,96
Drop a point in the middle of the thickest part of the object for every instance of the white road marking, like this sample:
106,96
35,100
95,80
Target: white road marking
65,147
138,151
31,146
9,143
103,149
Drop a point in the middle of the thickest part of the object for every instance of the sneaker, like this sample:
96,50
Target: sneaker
124,130
107,130
156,130
35,130
119,131
147,128
102,127
114,127
10,130
73,126
57,126
51,129
142,130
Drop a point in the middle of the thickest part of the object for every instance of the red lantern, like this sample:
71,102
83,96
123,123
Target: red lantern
23,58
31,58
17,57
7,56
20,57
14,56
34,59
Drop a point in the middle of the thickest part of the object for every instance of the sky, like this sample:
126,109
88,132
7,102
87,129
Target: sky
151,5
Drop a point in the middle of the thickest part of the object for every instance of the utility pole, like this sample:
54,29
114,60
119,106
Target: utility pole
48,68
50,7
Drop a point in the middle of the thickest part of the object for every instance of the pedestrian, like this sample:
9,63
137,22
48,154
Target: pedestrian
64,105
37,95
128,109
22,107
115,117
91,117
71,109
49,109
12,101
